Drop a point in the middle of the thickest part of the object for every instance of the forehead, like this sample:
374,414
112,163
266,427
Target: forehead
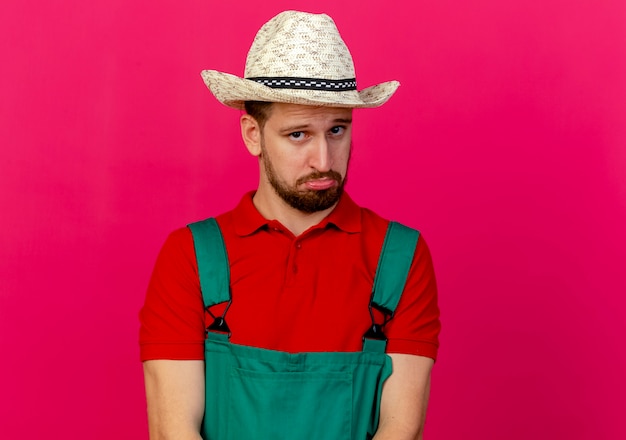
282,113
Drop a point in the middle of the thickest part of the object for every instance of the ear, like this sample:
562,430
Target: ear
251,134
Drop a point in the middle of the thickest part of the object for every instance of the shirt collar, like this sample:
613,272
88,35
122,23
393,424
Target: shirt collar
247,220
346,215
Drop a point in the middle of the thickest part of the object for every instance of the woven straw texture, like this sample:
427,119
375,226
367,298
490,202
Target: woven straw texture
297,45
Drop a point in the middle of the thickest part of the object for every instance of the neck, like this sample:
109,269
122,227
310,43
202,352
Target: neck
272,207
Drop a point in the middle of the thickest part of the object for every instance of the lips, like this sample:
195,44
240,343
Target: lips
320,184
318,181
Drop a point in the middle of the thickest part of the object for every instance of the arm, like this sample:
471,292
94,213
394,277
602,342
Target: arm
405,398
175,396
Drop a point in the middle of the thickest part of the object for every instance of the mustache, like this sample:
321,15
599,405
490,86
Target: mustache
330,174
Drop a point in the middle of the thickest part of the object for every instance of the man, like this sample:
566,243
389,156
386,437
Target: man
272,321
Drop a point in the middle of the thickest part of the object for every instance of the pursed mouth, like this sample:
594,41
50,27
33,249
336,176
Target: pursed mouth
327,176
320,184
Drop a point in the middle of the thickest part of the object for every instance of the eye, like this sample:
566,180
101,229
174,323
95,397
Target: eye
337,130
296,135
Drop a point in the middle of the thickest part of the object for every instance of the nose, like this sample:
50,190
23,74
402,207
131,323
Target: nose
320,158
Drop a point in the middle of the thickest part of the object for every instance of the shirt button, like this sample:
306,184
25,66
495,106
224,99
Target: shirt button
295,269
298,245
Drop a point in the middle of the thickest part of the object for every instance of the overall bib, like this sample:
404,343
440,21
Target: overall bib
254,393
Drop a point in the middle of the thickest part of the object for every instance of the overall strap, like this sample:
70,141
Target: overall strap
213,267
392,271
213,271
393,266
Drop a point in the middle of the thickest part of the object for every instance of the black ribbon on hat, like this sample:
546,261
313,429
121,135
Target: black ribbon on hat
332,85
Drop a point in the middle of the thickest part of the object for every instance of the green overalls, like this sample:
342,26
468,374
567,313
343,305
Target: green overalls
254,393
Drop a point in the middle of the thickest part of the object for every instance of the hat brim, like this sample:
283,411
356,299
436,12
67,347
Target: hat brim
233,91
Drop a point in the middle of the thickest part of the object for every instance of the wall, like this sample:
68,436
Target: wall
505,145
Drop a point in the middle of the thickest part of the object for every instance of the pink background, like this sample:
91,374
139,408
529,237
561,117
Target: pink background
505,145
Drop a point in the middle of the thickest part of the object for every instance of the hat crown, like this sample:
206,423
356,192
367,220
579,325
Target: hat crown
299,45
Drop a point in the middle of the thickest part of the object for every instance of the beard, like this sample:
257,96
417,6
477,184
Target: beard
308,201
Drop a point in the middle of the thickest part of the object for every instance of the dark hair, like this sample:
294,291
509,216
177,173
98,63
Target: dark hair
259,110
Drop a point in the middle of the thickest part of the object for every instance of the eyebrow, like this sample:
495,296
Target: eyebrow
301,127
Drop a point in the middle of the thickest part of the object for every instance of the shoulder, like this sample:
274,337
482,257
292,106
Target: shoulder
178,243
374,224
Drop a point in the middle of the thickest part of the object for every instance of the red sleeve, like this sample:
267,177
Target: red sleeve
172,318
415,326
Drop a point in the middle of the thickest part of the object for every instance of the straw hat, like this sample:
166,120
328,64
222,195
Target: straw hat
298,58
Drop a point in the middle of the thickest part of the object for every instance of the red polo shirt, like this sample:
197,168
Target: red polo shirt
293,294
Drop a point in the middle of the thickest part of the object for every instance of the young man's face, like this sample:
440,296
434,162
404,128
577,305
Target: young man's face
305,152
